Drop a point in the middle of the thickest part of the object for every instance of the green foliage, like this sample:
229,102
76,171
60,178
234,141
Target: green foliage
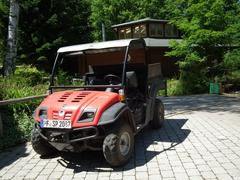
109,12
25,121
193,82
231,66
174,88
45,25
31,74
208,29
63,78
3,27
26,82
185,86
232,59
120,11
232,77
17,127
17,118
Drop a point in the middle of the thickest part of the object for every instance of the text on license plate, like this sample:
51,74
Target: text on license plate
64,124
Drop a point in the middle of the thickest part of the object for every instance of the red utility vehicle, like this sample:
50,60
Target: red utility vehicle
101,95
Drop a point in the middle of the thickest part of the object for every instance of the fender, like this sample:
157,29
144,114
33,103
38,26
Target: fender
115,112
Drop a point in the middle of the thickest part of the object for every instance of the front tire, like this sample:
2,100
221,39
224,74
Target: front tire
158,117
118,145
41,146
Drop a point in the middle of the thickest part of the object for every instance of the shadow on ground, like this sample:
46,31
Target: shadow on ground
207,103
11,155
145,150
12,136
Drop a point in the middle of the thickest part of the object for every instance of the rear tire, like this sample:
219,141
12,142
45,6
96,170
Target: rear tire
118,145
158,117
41,146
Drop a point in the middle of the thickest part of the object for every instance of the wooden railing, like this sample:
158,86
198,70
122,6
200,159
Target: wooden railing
17,100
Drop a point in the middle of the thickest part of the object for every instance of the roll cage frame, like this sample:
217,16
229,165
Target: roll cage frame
133,43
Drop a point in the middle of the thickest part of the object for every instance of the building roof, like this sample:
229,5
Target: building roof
139,22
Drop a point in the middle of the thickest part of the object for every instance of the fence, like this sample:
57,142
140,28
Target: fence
13,101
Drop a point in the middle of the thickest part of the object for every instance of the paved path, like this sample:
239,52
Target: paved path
200,140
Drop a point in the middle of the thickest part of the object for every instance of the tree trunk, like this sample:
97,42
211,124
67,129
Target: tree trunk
9,63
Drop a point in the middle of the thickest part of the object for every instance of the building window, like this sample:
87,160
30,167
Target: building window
128,33
156,30
170,31
139,31
121,34
136,32
125,33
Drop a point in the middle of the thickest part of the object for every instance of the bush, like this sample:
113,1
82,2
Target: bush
29,74
187,84
17,118
193,82
25,82
231,63
17,126
174,88
232,59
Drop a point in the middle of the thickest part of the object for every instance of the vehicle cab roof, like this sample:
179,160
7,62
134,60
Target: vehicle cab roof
96,46
149,42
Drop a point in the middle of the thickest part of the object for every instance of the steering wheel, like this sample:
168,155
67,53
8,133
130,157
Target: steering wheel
112,79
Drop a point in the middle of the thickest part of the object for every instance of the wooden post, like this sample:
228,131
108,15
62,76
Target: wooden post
165,81
1,125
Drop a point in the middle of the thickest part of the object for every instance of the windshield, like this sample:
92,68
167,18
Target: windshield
89,69
68,71
95,68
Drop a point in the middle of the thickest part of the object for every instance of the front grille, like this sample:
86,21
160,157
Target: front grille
55,114
67,115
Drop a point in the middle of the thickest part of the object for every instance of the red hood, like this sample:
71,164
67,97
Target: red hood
73,103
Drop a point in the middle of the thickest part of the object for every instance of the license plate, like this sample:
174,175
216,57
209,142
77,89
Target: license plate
61,124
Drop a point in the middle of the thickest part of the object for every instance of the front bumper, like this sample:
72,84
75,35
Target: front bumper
68,136
74,140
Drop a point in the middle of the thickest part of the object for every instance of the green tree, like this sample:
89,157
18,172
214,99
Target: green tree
208,29
112,12
232,57
45,25
231,61
9,62
151,8
3,27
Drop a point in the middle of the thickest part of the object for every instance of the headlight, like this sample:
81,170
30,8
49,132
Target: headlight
87,115
43,113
